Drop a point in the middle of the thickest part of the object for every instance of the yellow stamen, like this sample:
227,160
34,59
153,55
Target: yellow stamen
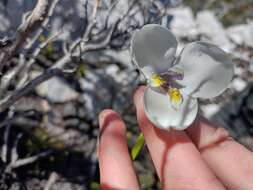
175,96
156,80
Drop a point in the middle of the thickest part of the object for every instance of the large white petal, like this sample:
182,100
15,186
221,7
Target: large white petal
163,115
153,49
207,70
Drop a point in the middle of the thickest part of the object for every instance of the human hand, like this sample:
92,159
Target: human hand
200,157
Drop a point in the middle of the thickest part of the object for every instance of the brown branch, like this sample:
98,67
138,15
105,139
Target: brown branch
30,160
11,99
33,21
43,24
52,179
92,21
24,70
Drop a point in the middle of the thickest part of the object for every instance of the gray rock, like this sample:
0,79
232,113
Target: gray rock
211,28
239,84
120,56
183,23
4,23
210,109
241,34
237,115
98,93
57,91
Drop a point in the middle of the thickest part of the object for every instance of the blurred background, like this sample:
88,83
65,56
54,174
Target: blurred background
48,131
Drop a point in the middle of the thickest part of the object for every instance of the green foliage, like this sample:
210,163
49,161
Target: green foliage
238,14
80,70
137,146
49,49
147,181
40,138
94,185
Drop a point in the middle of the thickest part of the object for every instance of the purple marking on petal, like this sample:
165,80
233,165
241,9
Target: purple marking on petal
177,77
171,75
171,78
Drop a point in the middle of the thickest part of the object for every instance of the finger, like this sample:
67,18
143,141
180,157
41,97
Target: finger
176,159
232,162
116,169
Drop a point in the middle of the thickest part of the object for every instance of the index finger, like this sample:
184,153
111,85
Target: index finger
116,169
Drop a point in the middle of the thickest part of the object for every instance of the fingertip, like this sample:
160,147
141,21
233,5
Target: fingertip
106,116
104,113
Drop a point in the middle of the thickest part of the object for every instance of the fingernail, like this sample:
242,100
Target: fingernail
102,116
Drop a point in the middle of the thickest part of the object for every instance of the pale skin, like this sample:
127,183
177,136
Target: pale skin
200,157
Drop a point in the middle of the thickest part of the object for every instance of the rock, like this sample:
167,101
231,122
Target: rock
239,71
239,84
97,93
4,23
112,70
56,91
122,56
237,115
211,28
210,110
183,23
11,15
117,75
241,34
69,109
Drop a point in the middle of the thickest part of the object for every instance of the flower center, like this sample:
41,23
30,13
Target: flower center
167,82
175,97
157,80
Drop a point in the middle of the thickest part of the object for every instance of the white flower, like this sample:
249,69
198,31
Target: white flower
202,70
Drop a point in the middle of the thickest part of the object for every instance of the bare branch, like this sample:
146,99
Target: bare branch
40,47
84,48
99,45
24,67
6,136
38,19
6,80
5,145
33,21
52,178
67,57
11,99
96,37
14,152
43,25
92,21
30,160
113,5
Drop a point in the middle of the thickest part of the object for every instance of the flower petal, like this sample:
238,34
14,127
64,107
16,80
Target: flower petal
207,70
161,112
153,49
